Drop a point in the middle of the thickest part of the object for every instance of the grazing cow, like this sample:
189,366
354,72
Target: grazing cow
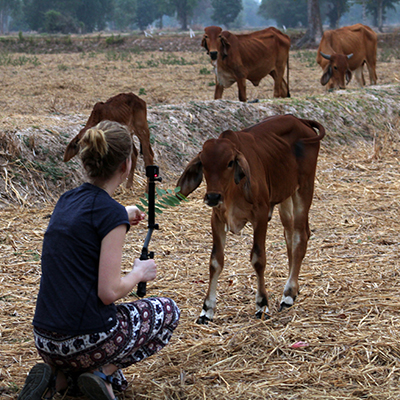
253,56
127,109
344,50
247,174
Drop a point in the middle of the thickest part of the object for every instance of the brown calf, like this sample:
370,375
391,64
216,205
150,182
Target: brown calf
247,174
127,109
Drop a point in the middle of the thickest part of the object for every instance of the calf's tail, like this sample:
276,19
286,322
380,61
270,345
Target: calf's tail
314,125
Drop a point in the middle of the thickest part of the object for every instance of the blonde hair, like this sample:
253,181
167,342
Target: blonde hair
104,148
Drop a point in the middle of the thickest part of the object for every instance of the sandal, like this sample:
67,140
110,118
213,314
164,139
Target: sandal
93,385
37,382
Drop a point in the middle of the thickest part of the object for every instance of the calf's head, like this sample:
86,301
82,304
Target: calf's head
222,166
214,42
337,71
73,146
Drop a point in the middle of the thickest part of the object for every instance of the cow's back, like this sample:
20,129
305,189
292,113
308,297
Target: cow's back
356,39
276,147
269,44
125,108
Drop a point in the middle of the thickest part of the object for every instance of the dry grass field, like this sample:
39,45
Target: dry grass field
348,310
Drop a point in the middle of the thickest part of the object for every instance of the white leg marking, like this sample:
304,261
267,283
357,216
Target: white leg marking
211,301
287,300
263,309
210,304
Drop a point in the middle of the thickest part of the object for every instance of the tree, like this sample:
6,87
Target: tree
146,13
8,9
184,10
364,9
34,11
287,13
378,8
92,13
314,31
164,7
251,17
55,22
124,13
226,11
336,8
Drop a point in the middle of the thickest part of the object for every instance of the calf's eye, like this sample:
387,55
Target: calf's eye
230,165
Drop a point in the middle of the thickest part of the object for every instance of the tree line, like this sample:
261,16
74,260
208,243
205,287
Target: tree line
81,16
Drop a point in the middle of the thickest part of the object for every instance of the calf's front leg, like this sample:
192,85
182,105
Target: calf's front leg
258,261
216,266
219,90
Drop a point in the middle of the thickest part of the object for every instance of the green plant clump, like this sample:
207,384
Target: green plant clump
163,199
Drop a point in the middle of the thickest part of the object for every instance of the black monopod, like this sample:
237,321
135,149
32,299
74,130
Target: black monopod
152,172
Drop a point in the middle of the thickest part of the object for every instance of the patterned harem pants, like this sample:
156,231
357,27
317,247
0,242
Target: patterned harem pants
143,328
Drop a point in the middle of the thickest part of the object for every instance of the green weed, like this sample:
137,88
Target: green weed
50,168
171,59
152,63
6,59
118,56
205,71
115,40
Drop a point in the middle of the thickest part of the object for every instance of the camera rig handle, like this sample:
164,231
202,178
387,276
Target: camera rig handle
152,172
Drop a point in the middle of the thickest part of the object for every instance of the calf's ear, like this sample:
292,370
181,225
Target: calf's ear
225,46
327,75
348,76
242,171
191,177
204,43
72,149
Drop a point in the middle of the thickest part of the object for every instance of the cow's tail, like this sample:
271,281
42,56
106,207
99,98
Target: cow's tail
287,76
314,125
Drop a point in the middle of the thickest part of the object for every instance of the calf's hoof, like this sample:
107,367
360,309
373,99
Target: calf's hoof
203,320
262,315
284,306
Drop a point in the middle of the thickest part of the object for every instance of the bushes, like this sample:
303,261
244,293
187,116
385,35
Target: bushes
55,22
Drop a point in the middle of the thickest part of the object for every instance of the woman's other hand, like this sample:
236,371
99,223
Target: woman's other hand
134,215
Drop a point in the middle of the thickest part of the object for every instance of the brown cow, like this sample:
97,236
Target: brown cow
344,50
127,109
247,174
253,56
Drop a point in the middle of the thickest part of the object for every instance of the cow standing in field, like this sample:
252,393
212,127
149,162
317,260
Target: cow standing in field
344,50
127,109
252,56
247,174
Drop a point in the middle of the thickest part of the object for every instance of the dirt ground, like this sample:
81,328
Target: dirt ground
347,313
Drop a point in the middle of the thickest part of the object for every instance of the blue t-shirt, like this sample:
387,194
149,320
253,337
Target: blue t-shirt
67,302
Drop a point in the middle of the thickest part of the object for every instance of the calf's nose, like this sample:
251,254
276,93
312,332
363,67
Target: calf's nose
212,199
213,55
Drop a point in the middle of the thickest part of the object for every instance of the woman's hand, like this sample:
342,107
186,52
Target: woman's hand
147,269
134,215
112,286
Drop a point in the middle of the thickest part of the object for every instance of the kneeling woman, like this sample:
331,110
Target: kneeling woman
82,336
